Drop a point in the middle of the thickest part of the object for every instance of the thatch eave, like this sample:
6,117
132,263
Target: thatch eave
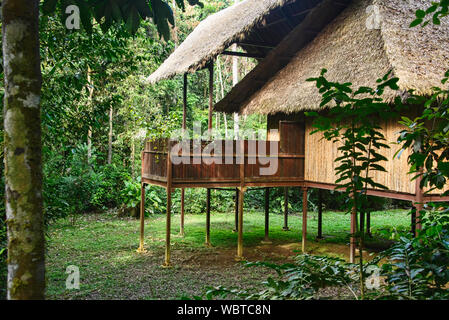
352,53
213,35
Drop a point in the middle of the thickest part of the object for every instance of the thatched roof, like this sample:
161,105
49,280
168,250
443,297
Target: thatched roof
213,35
353,53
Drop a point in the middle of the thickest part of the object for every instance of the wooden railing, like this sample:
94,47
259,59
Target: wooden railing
222,163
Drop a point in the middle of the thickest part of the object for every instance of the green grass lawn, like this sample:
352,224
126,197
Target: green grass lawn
104,248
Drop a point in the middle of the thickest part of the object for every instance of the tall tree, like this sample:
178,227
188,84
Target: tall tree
23,162
235,80
22,122
110,134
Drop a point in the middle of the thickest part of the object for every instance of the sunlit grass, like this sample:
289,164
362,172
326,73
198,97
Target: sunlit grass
104,248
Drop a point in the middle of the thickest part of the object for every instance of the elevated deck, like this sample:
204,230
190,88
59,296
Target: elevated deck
223,163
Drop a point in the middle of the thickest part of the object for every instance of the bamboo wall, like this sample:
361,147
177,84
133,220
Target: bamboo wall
320,155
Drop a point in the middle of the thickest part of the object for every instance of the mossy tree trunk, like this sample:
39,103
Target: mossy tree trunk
23,164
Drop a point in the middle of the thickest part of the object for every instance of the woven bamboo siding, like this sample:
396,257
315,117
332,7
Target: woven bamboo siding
320,155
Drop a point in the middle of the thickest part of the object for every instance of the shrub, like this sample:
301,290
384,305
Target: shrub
301,280
108,193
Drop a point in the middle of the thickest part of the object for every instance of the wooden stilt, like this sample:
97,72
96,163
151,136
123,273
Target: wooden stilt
413,221
418,225
168,218
142,219
240,228
236,210
211,105
368,224
208,219
184,126
168,230
181,231
266,239
285,228
353,241
320,214
304,219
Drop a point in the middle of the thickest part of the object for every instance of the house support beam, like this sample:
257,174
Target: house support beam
285,228
368,224
211,105
304,219
141,248
413,221
208,219
242,54
236,228
168,230
266,239
320,214
239,256
168,218
184,126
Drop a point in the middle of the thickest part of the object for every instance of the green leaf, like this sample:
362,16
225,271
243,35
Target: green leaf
415,23
420,14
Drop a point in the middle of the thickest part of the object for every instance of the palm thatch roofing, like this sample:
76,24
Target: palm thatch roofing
352,51
213,35
257,26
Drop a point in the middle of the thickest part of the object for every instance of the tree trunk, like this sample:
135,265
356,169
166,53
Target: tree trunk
133,156
23,150
235,80
111,114
220,77
90,88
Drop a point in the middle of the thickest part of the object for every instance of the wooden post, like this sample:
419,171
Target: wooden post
304,219
413,221
211,104
142,207
240,228
168,220
320,214
267,216
368,224
236,210
208,219
142,218
184,126
242,190
211,94
352,241
168,230
181,231
285,228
